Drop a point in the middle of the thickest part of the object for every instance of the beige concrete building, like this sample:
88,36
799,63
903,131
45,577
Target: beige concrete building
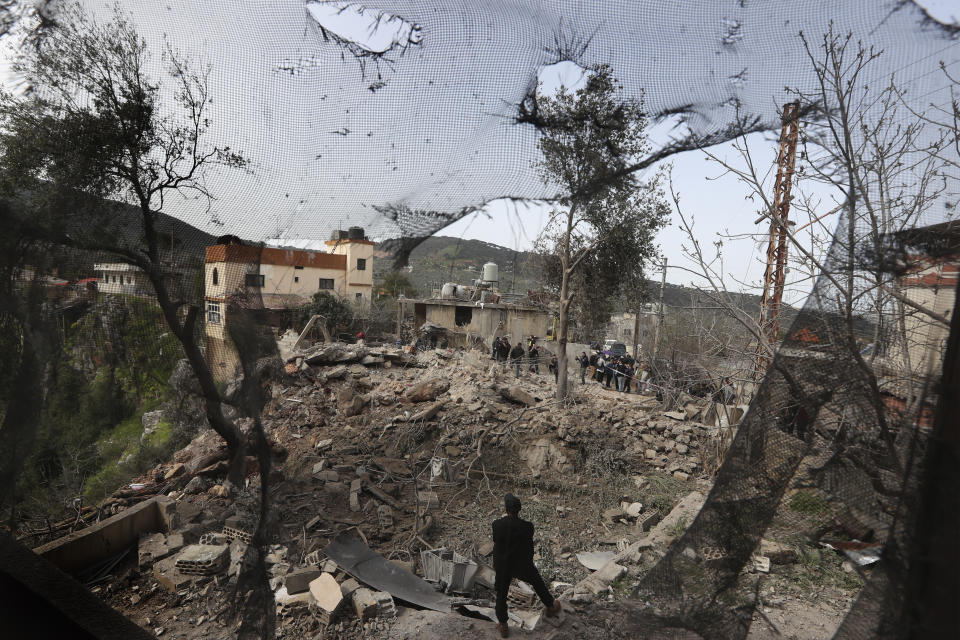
117,277
268,278
931,283
466,321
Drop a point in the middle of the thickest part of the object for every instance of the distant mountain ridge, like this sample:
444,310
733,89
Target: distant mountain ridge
440,259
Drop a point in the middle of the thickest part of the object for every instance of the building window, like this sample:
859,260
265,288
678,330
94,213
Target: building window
254,280
361,264
216,277
296,278
213,312
298,268
359,297
326,283
462,316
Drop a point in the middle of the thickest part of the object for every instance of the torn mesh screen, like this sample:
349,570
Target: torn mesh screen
407,131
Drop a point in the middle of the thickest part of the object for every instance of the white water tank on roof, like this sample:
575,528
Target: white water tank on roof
491,273
448,290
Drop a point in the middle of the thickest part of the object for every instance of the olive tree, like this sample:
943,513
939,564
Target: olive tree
605,214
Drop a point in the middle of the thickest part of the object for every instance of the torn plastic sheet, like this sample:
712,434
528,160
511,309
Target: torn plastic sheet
371,30
369,567
862,553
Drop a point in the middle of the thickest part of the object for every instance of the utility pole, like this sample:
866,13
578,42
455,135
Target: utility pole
775,273
663,282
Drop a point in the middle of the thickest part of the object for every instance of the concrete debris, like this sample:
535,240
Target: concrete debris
518,396
219,491
286,601
761,564
778,552
595,560
373,453
326,594
177,469
428,499
168,576
365,604
385,517
647,519
348,586
427,390
197,485
203,560
547,454
156,546
682,515
299,581
234,529
447,567
356,486
386,608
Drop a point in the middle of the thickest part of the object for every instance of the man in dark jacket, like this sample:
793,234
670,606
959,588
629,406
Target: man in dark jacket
516,358
513,558
584,363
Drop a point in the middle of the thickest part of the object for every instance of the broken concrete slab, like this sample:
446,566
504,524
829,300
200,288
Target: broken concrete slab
299,581
99,541
682,514
595,560
599,581
177,469
326,592
170,578
203,559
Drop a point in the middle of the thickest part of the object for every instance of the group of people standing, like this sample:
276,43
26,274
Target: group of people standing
622,373
520,357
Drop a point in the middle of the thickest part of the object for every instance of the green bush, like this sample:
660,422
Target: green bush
809,503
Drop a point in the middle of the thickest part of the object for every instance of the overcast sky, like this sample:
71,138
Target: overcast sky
344,107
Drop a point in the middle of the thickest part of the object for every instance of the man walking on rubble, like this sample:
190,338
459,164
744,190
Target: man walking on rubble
513,558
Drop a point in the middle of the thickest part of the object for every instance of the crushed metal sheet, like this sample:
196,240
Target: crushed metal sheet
369,567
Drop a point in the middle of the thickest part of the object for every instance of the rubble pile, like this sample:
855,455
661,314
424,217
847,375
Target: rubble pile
410,456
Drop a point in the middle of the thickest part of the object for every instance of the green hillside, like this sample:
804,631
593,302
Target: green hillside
441,259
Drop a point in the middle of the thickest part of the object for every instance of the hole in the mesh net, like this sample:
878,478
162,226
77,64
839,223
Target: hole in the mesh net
731,31
565,74
943,11
373,31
